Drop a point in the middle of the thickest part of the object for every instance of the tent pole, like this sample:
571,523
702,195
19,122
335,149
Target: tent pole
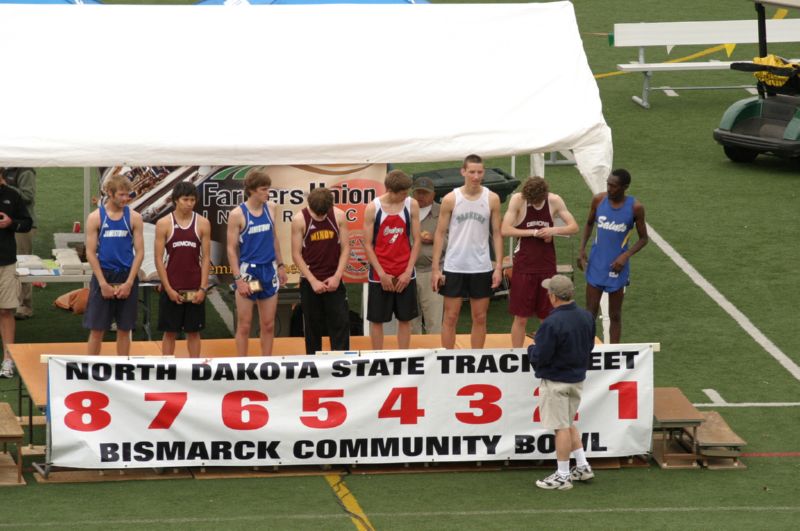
87,185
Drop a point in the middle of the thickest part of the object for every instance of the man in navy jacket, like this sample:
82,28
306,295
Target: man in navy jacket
560,356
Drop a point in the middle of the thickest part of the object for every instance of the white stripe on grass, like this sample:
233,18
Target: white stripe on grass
725,304
412,515
222,309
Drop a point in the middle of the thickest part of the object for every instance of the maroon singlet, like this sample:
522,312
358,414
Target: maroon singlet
321,245
533,255
183,256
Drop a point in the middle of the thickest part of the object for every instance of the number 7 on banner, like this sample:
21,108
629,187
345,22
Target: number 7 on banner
173,405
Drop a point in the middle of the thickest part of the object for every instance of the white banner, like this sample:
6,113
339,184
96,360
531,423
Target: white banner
396,407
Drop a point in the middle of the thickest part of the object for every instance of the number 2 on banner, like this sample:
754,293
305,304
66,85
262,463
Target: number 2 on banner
173,405
402,404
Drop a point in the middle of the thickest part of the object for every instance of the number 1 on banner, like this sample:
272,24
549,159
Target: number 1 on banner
173,405
627,401
402,404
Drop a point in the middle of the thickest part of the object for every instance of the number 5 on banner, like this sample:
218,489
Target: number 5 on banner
312,402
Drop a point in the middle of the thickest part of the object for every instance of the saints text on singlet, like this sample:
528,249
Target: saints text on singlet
183,255
533,255
613,231
468,244
321,245
391,239
115,241
257,240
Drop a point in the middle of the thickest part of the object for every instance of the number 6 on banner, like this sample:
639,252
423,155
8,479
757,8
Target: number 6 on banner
234,409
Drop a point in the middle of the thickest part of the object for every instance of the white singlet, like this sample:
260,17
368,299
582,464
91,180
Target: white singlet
468,240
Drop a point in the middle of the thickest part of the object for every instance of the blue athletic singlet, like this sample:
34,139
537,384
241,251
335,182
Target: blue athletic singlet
115,241
257,240
257,252
614,226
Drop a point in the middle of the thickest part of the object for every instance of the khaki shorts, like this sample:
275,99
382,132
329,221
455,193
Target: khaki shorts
9,287
558,403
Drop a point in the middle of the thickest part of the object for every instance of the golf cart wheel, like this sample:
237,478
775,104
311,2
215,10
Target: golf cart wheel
738,154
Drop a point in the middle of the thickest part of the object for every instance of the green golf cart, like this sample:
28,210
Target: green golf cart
770,122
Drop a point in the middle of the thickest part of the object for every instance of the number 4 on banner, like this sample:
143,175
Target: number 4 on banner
402,404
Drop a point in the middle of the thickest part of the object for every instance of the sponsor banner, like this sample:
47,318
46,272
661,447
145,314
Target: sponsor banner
221,189
392,407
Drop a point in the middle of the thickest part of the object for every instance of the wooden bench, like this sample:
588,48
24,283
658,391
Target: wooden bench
10,432
719,447
674,416
669,34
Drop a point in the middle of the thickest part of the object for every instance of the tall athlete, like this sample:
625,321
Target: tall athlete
392,242
530,218
115,250
183,239
471,214
254,255
608,269
320,249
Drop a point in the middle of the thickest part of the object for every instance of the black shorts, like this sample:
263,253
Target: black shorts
467,285
100,312
186,317
382,304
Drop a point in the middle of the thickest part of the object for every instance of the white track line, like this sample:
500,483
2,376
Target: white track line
222,309
715,397
414,515
750,404
725,304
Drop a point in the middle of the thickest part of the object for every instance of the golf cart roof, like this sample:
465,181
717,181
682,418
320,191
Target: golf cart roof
780,3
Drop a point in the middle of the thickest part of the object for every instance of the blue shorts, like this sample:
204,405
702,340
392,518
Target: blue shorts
101,312
267,274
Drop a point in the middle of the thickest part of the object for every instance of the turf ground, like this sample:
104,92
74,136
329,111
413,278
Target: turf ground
737,225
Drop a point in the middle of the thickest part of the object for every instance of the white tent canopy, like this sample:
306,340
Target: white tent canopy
188,85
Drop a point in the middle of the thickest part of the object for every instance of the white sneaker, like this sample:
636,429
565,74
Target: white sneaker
581,473
555,482
7,369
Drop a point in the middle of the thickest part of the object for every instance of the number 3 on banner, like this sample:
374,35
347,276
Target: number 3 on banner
490,411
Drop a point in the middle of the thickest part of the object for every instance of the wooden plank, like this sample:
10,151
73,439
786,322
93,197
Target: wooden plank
714,431
672,409
99,476
712,32
674,67
723,464
10,430
670,454
9,472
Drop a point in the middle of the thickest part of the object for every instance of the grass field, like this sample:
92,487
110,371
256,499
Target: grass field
737,225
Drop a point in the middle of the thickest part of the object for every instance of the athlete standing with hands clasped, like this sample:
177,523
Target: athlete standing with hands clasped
608,267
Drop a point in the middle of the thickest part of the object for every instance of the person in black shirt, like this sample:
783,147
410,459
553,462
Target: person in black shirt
14,217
